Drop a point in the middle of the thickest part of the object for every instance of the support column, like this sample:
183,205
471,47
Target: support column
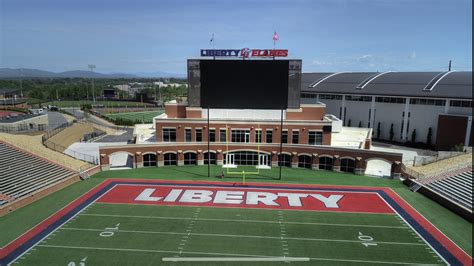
360,166
372,113
180,158
294,160
468,131
446,106
219,157
343,106
200,157
104,162
315,162
138,160
396,170
405,119
336,163
274,159
160,161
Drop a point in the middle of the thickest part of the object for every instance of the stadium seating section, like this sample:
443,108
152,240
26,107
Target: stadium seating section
23,173
457,188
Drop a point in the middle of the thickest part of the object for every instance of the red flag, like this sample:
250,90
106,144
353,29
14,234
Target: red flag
275,36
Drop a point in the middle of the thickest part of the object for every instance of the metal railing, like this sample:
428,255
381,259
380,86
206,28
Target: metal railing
77,155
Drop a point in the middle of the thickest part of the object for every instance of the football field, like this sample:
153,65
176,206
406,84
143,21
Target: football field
211,223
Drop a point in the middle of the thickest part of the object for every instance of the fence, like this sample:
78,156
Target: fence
49,134
78,155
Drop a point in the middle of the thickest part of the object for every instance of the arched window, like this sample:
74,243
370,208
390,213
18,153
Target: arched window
213,157
347,165
284,160
149,160
304,161
325,163
170,159
190,158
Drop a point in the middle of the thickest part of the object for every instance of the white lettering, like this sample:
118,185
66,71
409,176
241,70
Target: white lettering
196,196
146,195
329,202
229,197
294,199
173,195
253,198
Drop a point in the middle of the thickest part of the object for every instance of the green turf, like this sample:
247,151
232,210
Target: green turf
104,103
145,117
146,234
14,224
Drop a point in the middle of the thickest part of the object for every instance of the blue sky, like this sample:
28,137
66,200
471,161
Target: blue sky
149,36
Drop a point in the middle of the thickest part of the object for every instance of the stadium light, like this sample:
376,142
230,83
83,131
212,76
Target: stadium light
91,67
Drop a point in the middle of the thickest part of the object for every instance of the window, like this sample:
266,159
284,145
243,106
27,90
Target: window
315,138
213,158
295,138
347,165
423,101
284,136
169,134
188,134
284,160
198,134
244,158
170,159
390,100
222,135
460,103
240,135
330,97
308,95
359,98
149,160
268,136
258,135
304,161
325,163
212,135
190,158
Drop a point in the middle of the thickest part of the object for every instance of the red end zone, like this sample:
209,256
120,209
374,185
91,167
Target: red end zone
177,195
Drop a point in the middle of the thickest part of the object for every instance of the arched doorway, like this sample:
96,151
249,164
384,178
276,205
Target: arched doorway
378,167
325,163
304,161
190,158
284,160
149,160
170,159
348,165
212,159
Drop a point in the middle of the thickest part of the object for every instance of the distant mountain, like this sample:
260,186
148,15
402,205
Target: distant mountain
36,73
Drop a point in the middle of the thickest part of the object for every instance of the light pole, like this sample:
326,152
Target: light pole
91,67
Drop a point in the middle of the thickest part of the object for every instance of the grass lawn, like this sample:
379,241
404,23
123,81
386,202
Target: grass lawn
145,117
150,228
105,103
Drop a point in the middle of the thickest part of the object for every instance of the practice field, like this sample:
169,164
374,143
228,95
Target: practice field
137,222
145,117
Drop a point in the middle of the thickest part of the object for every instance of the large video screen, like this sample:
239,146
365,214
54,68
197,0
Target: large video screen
244,84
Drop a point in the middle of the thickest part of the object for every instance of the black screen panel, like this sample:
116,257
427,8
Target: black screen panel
244,84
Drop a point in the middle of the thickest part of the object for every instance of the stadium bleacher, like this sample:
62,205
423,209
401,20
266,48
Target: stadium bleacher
22,173
457,187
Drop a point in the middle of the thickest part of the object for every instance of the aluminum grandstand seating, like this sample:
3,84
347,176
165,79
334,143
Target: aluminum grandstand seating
22,173
457,188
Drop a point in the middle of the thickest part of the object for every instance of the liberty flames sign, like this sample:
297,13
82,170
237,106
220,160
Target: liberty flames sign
245,52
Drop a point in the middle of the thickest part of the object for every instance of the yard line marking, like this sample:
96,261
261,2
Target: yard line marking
220,254
242,236
243,221
227,259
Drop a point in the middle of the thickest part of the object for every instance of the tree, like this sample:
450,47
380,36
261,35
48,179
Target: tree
391,132
428,138
378,130
413,136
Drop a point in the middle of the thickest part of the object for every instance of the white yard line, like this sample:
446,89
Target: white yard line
242,221
220,254
231,259
240,236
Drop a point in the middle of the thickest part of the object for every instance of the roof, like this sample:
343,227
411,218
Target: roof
411,84
7,90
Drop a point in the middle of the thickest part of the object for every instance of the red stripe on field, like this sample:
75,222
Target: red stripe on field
239,198
435,232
